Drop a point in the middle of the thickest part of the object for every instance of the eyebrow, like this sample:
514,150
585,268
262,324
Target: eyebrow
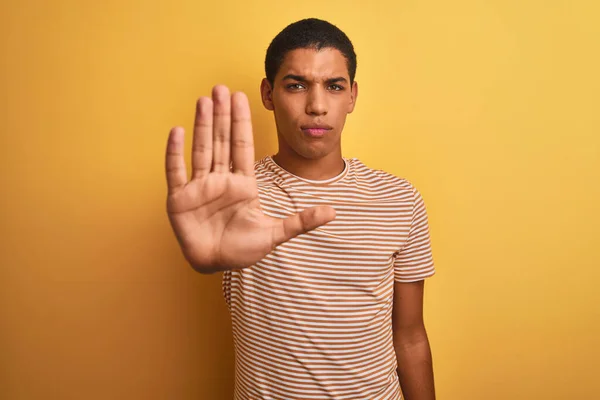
301,78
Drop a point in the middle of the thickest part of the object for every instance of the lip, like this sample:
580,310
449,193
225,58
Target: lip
316,130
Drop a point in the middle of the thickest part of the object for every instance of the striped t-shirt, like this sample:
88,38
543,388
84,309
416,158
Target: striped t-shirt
312,319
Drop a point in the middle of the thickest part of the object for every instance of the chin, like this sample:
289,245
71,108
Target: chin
312,154
309,150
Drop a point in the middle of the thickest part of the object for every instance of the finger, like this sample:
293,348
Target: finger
202,145
221,128
242,141
174,161
302,222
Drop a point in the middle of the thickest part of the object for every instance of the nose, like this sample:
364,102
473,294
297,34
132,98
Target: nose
316,102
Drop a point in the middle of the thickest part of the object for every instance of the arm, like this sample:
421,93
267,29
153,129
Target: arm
415,367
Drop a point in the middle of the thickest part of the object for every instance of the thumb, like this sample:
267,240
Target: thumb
302,222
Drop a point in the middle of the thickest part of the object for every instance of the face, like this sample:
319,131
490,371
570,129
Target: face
310,97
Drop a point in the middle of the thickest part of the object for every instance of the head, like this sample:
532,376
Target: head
310,68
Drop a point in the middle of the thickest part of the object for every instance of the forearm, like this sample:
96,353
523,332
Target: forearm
415,366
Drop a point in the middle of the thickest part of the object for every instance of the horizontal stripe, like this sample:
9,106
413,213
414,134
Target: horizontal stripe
312,319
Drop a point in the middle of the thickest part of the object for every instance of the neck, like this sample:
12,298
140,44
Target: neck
317,169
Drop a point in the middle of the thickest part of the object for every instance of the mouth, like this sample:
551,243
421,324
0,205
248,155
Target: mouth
315,130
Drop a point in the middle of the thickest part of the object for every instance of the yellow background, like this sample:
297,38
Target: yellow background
490,107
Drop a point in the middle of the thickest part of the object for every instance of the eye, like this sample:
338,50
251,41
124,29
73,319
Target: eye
295,86
336,88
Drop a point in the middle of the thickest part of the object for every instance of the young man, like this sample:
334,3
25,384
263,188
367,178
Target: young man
324,259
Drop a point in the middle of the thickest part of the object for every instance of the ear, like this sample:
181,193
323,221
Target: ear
266,94
353,97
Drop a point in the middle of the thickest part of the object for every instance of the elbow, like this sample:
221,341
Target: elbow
411,337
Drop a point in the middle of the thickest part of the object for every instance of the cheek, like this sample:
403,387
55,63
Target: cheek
338,116
343,106
288,112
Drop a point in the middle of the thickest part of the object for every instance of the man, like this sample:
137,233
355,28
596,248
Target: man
324,259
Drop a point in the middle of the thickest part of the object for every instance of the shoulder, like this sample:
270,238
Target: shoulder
382,180
264,171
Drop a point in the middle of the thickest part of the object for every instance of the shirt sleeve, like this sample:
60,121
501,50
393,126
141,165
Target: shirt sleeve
414,261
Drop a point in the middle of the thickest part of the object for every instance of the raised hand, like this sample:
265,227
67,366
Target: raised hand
216,215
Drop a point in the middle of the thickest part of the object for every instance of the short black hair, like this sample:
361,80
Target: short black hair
308,33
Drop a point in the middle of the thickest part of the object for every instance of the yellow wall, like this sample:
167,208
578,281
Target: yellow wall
490,107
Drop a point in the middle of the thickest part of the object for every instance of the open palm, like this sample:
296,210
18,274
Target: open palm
216,215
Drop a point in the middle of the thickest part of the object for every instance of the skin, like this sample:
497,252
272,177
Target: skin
413,352
311,87
216,215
